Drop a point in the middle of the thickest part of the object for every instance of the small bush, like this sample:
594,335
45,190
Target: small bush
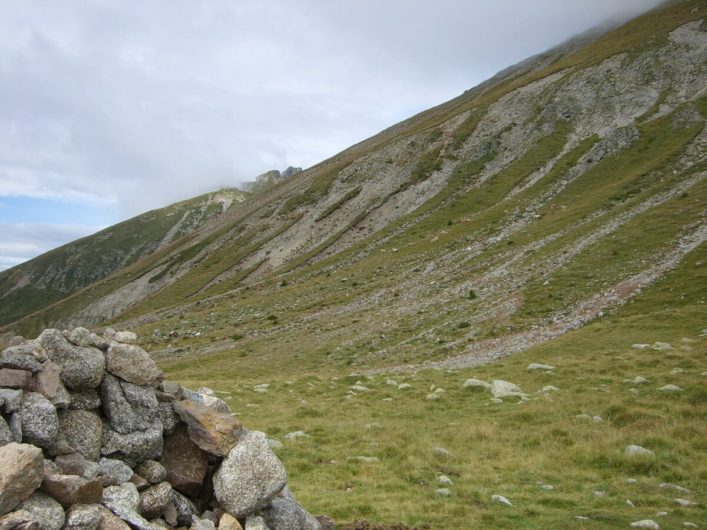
472,294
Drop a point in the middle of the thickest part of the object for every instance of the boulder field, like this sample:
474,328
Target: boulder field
93,438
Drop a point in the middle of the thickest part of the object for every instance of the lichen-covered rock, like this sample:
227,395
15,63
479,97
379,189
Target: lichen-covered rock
169,419
5,433
255,523
13,378
18,520
131,363
207,400
250,476
79,337
284,514
198,523
75,464
83,517
84,400
20,358
213,431
133,447
72,489
152,471
46,511
81,367
12,399
185,463
40,423
128,407
80,431
184,508
154,500
48,383
116,469
124,502
22,468
126,337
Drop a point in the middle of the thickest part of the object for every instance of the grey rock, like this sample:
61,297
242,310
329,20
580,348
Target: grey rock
84,400
5,433
81,431
154,500
16,427
184,507
116,469
18,520
128,407
131,363
48,383
124,501
81,367
255,523
539,366
40,423
172,389
501,389
476,384
12,378
45,510
152,471
126,337
12,399
167,417
99,342
133,447
250,476
284,514
80,337
84,517
19,358
501,499
648,524
22,467
201,524
637,450
206,400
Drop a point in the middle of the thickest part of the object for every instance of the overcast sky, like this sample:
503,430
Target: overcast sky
109,108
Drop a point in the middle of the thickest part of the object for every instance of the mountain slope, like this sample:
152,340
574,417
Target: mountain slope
54,275
498,220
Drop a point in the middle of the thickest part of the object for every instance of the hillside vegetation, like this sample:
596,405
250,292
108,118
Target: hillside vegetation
555,214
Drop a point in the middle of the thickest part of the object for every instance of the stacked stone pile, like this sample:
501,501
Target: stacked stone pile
92,437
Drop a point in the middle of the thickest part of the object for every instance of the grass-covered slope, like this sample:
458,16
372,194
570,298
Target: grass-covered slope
54,275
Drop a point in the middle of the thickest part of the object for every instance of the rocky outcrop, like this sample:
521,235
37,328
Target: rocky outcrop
105,443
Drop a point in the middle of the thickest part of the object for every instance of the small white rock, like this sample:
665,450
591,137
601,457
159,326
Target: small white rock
403,386
443,492
501,499
639,380
599,493
640,346
444,480
391,382
582,518
685,503
548,487
662,514
631,481
432,397
662,346
676,371
296,434
550,388
637,450
670,388
360,388
476,383
540,366
664,485
648,524
688,524
630,503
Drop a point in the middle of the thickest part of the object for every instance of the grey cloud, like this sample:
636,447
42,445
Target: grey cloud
144,103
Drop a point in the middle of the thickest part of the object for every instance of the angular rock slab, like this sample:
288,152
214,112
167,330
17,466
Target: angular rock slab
22,467
124,502
48,383
73,489
46,511
128,407
132,364
185,463
18,379
284,514
84,517
20,358
154,500
213,431
18,520
81,367
40,423
84,400
250,476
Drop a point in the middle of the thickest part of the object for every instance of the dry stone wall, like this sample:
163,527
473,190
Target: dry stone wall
93,438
